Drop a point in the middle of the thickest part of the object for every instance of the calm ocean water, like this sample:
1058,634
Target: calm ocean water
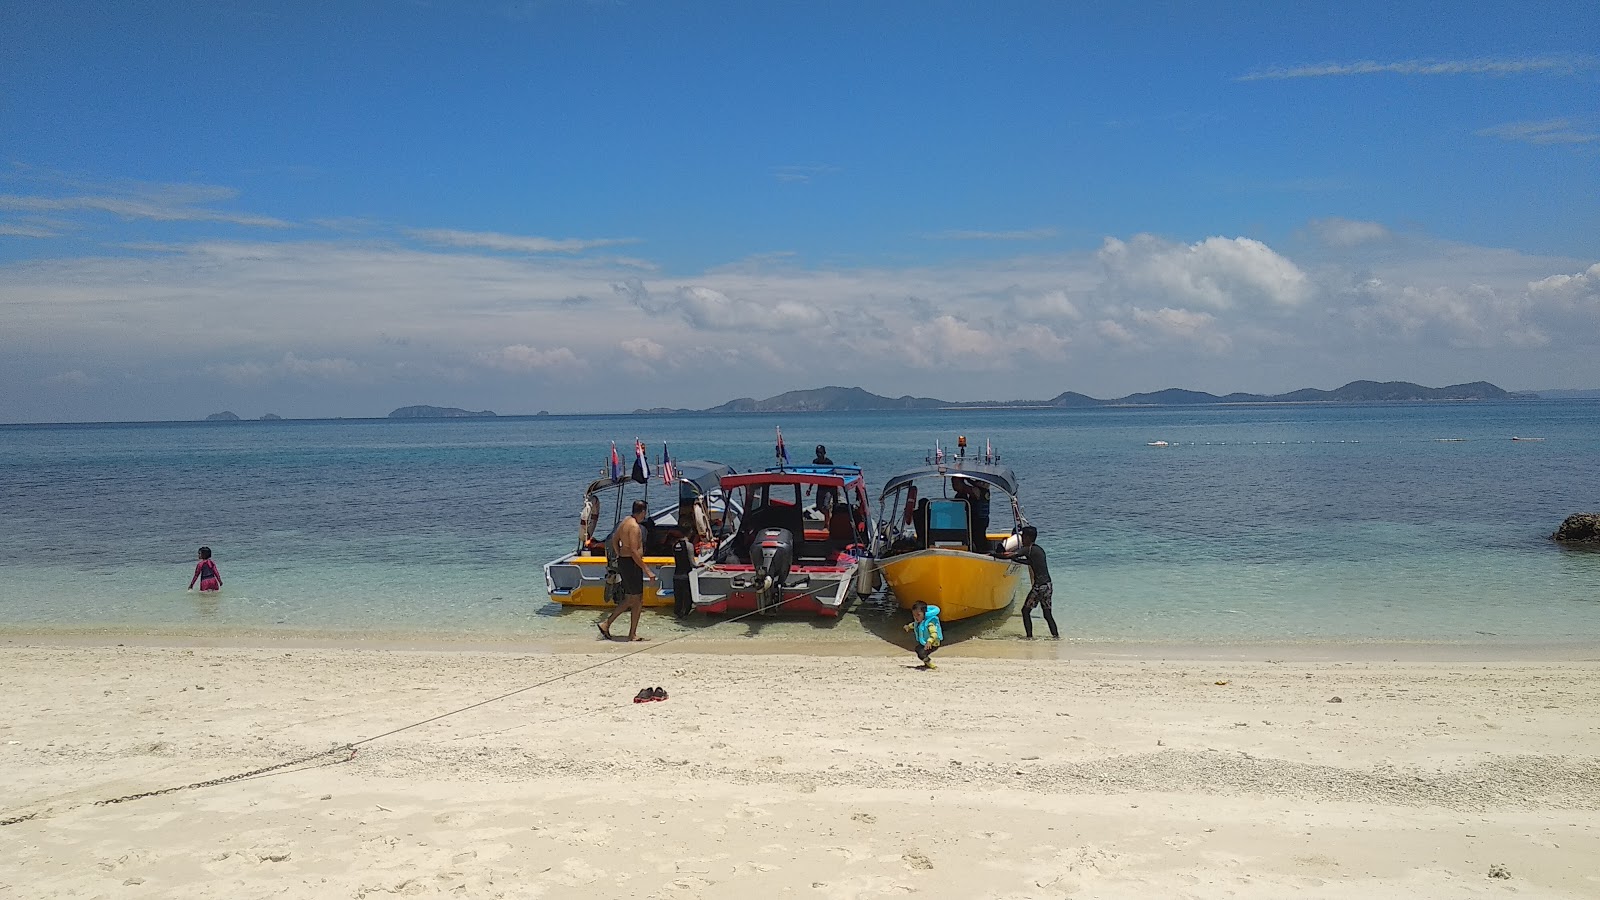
1259,523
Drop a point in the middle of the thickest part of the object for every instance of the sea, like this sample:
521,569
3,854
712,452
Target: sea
1393,522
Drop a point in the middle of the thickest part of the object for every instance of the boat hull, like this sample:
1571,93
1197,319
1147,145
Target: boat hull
580,581
820,591
960,583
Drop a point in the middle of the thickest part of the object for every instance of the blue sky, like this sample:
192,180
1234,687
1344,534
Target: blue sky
338,208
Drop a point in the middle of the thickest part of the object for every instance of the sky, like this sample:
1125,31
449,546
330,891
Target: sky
336,208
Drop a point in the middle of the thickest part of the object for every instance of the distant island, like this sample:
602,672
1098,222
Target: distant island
272,417
224,416
844,399
439,412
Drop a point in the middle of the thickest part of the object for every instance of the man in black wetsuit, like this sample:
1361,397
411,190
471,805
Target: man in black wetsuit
1039,595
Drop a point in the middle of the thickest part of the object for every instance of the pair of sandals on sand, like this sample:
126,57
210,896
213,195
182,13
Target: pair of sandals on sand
649,694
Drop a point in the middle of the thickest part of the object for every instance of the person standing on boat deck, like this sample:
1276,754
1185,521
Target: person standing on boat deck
976,493
1039,595
682,565
827,495
630,563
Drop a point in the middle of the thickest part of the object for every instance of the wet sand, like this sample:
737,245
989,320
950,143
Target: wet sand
1131,773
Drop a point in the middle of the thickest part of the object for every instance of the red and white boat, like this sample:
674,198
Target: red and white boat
788,557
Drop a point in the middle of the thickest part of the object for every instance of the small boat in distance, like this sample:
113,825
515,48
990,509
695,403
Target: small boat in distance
934,540
578,577
1158,444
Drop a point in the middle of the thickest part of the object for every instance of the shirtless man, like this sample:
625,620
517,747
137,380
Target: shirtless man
630,563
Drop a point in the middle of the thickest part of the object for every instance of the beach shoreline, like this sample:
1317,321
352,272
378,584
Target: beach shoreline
867,645
793,774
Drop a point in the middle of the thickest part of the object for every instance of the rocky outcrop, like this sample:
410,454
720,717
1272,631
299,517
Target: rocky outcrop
272,417
224,416
1579,528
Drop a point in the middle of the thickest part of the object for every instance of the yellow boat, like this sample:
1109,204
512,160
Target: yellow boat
578,577
929,547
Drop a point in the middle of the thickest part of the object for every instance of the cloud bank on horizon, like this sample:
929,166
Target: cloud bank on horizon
1255,241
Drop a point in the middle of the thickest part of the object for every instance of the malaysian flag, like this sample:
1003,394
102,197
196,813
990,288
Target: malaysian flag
938,453
988,451
669,472
616,463
782,451
641,463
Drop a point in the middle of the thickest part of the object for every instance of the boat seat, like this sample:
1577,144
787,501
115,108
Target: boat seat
773,515
947,523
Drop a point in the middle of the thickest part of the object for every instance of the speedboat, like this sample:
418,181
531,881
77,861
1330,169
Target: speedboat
695,498
784,556
934,541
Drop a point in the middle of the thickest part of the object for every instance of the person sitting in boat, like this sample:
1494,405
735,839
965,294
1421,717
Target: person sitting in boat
929,631
976,493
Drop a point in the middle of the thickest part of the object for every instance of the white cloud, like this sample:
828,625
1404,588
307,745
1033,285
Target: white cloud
710,309
1221,273
1462,316
1337,232
291,366
383,320
489,240
1560,65
1546,131
644,349
1580,291
1185,325
521,358
155,202
10,229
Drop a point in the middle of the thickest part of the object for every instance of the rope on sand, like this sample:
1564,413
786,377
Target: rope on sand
351,748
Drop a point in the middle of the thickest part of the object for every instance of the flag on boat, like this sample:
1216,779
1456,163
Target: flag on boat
988,451
669,472
782,451
641,463
616,463
938,453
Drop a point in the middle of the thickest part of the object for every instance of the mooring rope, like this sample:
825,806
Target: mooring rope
352,747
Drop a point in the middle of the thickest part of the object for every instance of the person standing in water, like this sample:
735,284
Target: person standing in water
205,572
630,564
1039,595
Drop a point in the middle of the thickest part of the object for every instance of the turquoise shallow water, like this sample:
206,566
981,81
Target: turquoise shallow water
1259,523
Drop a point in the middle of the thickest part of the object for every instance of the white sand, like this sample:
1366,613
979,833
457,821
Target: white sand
786,776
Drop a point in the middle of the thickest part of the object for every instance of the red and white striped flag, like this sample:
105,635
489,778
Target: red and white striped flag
669,472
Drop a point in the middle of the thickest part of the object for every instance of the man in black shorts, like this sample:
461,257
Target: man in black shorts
1039,595
630,564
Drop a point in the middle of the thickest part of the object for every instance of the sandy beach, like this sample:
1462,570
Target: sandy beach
838,776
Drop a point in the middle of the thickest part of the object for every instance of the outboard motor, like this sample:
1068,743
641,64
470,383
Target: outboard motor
772,552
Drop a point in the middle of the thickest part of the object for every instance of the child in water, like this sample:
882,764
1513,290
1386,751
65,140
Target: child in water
205,572
929,632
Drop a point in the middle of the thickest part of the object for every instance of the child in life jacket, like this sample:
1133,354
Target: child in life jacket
929,631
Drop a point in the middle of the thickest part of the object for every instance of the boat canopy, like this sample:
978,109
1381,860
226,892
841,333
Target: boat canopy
1000,476
825,476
